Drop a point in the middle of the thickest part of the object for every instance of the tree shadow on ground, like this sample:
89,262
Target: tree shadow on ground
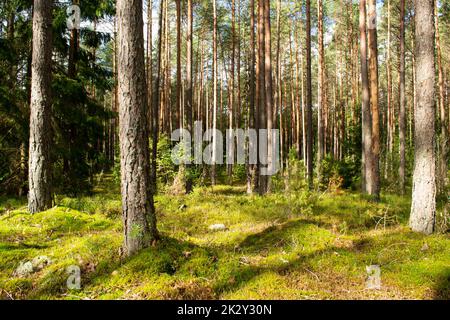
170,257
361,253
442,288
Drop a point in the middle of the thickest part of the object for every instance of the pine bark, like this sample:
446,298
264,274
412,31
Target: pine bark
423,208
443,147
39,175
214,74
252,172
268,89
308,109
262,115
365,109
374,103
320,90
402,114
137,200
189,85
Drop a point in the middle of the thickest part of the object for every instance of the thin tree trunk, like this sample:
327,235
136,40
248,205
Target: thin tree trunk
231,90
390,109
156,102
149,62
279,85
365,110
262,106
189,90
374,106
402,115
320,91
214,74
179,90
309,124
268,89
444,148
252,170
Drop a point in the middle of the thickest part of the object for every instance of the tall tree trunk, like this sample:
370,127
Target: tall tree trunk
179,85
299,98
115,104
137,200
69,161
150,62
374,106
73,50
423,209
262,115
238,106
39,174
279,85
231,90
390,109
189,90
156,102
444,148
320,91
252,173
365,109
309,124
402,115
269,91
214,74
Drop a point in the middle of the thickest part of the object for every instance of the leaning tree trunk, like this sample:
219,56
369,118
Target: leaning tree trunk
137,199
423,209
40,196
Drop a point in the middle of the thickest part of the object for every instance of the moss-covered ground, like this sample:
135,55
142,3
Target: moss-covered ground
282,246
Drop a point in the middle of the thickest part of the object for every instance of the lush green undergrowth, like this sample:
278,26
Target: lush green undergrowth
282,246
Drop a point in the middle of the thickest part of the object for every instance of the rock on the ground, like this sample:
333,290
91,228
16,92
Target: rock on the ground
218,227
28,267
40,262
24,269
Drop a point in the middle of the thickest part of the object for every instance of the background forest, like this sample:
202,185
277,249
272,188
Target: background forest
364,149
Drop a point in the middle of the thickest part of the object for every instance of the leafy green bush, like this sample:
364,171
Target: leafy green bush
340,173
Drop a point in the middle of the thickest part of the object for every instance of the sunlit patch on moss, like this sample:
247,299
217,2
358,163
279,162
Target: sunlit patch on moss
281,246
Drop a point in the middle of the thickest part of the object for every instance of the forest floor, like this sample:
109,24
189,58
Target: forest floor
283,246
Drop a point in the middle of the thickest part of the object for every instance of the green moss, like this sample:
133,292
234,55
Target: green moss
282,246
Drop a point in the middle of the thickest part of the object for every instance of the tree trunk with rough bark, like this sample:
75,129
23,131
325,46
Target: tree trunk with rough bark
308,109
189,88
365,109
423,208
252,168
402,115
443,146
320,91
214,74
374,103
138,211
39,175
268,89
